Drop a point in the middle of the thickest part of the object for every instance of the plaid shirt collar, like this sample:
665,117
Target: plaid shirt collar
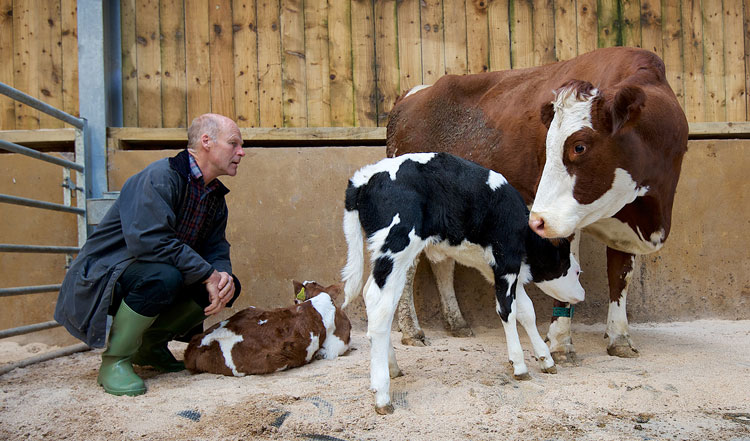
197,176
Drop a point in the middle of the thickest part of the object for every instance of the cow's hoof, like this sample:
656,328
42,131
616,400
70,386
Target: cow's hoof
623,351
522,377
384,410
550,370
463,331
565,358
396,374
415,341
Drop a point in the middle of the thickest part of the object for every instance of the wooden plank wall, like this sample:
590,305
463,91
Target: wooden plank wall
318,63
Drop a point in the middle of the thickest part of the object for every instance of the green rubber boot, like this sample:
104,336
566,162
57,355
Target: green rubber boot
175,321
116,374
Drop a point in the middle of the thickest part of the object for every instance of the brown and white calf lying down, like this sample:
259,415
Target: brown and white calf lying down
255,341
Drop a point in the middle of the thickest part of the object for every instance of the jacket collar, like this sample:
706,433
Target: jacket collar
181,164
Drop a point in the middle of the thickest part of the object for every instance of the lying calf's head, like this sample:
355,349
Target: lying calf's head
309,289
554,269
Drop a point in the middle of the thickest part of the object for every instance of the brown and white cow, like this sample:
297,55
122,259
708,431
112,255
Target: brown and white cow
254,341
595,142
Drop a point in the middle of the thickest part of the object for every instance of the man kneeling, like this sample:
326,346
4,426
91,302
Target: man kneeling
158,261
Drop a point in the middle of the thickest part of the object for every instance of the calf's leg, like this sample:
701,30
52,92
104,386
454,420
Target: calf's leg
411,333
559,334
619,272
507,310
444,271
527,318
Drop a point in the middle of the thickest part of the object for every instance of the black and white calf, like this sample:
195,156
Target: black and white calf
448,207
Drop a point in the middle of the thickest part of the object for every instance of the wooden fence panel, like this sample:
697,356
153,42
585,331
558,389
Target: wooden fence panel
477,36
7,105
244,23
734,60
270,94
296,63
173,98
293,63
317,64
148,60
409,45
340,51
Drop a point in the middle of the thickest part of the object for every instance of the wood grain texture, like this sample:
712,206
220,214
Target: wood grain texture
521,34
651,26
386,58
173,98
631,23
433,45
692,27
25,62
543,24
293,63
222,57
609,31
148,47
672,45
270,94
49,38
587,25
409,45
363,53
498,23
477,36
455,36
734,60
317,67
566,38
197,59
340,62
244,32
713,62
7,105
69,29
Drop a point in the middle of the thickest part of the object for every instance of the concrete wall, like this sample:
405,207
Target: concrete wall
286,208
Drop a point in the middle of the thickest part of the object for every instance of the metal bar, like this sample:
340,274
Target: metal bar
15,148
5,333
68,350
14,248
8,199
40,105
22,290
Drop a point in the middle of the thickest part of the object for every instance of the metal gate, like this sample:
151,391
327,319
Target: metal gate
71,189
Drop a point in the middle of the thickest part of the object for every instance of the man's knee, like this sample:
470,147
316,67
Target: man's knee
148,288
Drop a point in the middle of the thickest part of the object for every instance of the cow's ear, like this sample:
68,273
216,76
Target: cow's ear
297,287
334,291
547,113
626,107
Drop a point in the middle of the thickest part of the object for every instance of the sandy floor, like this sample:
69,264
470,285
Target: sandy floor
692,382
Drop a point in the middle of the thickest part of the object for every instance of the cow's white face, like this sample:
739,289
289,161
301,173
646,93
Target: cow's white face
581,181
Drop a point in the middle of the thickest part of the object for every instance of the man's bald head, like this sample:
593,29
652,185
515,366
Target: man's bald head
208,123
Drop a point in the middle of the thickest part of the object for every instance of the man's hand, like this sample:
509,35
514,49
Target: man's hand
220,287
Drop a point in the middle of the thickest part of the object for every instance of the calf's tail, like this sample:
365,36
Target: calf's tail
353,272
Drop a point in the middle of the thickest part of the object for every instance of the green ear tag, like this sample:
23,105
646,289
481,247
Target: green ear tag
301,295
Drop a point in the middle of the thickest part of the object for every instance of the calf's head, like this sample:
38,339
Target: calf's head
309,289
554,269
590,150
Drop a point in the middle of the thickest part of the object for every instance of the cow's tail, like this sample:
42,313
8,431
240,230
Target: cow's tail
353,272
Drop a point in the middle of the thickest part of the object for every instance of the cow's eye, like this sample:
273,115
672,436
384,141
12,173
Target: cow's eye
579,149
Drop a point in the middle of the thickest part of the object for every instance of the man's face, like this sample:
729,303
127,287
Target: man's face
226,151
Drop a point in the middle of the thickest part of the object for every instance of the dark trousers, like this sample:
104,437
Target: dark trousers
149,288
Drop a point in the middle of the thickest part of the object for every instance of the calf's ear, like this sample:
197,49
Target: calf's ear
626,106
334,291
297,286
547,113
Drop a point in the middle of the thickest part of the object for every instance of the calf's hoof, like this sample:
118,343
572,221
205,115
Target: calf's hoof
623,351
463,331
396,373
550,370
565,358
384,410
522,377
418,340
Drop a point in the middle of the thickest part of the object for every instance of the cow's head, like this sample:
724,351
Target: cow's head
590,150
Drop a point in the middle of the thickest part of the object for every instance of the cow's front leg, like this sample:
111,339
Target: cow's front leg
619,271
444,270
527,318
411,333
505,304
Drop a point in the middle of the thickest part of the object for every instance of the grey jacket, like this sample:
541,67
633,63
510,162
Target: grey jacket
140,225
